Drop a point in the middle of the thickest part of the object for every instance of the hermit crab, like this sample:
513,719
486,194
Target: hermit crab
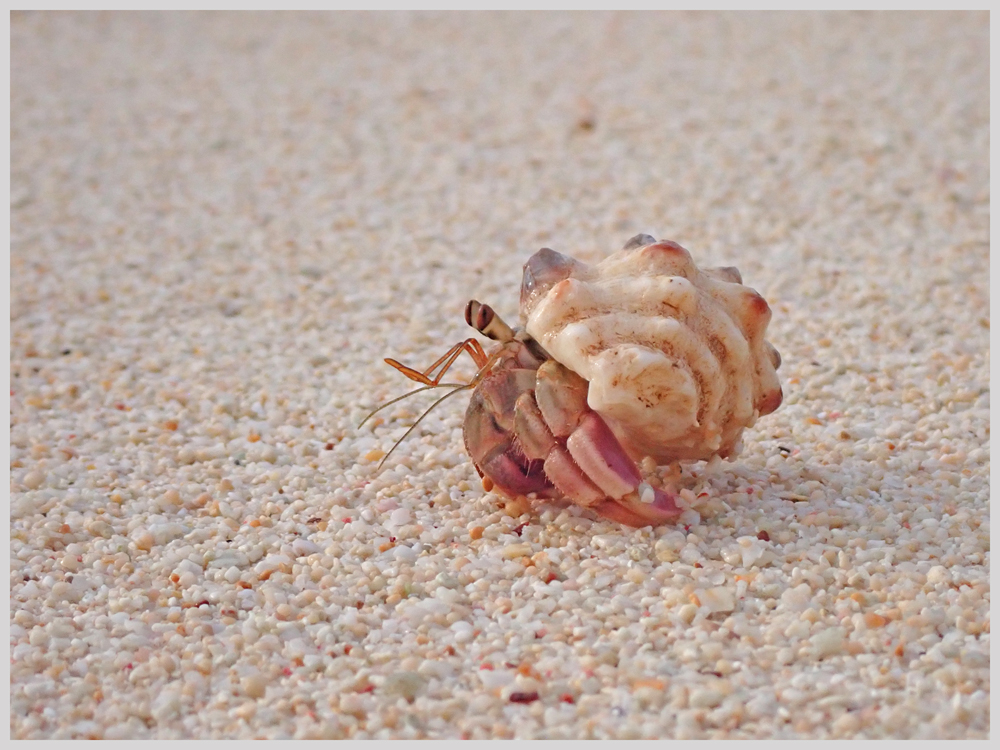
641,355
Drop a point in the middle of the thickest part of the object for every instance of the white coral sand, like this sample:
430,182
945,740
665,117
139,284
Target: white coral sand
220,225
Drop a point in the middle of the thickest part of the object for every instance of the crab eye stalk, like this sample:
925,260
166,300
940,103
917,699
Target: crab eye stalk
485,320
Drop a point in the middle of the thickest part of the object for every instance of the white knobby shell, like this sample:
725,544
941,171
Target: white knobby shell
675,355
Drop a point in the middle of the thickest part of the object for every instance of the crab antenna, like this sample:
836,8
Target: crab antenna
406,395
483,371
420,419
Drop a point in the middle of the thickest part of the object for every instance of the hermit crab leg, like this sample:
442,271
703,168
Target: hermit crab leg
594,471
593,468
473,347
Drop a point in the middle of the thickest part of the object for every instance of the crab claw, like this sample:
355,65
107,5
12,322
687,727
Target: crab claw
598,460
593,469
633,511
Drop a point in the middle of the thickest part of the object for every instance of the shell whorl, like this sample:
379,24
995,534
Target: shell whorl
675,355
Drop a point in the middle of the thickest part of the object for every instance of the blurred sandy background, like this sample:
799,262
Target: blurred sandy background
220,224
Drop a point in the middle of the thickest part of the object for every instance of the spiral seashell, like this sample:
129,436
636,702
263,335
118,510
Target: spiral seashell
674,355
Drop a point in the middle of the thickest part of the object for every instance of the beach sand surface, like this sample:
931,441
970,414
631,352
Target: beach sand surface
222,223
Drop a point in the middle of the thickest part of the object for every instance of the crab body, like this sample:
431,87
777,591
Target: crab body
641,355
529,431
